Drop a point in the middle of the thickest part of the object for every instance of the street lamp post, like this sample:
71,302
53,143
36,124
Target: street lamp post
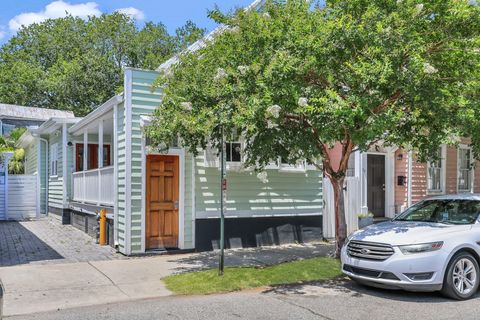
223,201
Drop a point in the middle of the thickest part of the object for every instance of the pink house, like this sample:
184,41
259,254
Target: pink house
391,179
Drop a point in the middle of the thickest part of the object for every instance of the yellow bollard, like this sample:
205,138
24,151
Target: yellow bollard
103,228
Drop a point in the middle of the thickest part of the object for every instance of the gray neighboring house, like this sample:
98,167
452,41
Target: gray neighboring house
13,116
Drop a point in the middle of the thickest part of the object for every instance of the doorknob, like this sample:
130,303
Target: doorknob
175,204
383,187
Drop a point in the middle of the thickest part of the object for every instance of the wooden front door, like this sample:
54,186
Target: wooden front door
376,184
162,191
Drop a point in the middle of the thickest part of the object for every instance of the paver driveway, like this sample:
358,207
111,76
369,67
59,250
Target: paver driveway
47,241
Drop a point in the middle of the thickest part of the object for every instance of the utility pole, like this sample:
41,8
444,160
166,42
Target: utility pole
223,202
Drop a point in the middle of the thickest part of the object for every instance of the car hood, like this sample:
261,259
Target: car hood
406,232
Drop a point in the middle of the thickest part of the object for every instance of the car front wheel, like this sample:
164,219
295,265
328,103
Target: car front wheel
462,277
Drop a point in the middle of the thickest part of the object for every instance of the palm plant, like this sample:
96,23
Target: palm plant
7,143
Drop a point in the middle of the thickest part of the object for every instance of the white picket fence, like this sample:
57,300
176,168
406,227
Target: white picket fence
19,197
352,206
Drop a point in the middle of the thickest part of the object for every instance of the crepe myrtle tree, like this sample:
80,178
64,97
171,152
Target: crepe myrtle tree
297,77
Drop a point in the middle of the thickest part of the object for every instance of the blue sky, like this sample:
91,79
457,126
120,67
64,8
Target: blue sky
173,13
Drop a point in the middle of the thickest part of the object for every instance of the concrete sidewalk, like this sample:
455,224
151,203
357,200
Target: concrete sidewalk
39,288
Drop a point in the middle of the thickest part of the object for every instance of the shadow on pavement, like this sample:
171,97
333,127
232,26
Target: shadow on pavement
345,286
255,257
18,246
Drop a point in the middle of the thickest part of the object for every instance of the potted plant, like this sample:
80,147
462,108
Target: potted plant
365,219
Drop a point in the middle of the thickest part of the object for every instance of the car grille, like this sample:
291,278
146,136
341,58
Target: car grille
369,250
370,273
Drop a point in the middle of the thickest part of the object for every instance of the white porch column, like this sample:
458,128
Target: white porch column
363,181
100,144
100,160
85,162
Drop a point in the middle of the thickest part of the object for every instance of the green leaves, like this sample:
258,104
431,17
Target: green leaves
73,64
396,71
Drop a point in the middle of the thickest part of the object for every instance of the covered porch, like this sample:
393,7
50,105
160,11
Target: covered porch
93,143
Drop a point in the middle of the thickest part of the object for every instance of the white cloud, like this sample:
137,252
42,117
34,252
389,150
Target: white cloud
132,13
55,9
3,33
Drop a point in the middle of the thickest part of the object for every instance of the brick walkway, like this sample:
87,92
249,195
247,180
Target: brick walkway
47,241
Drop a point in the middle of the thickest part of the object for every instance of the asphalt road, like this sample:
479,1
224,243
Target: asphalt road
334,300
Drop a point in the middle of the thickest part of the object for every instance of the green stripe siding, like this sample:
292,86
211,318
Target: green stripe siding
55,183
31,153
286,193
121,176
143,102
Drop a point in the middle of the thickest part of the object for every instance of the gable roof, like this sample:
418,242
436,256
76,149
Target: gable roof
201,43
10,111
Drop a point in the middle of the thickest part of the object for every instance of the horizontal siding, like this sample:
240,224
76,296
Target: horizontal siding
285,193
144,102
31,158
121,212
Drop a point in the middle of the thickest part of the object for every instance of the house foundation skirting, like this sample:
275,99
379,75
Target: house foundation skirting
84,219
88,223
62,214
257,231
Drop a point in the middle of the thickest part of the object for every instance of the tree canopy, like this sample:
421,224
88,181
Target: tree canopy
296,77
75,64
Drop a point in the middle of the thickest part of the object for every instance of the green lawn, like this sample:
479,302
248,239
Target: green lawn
205,282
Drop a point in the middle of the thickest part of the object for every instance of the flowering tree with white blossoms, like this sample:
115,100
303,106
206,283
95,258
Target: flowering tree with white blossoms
296,78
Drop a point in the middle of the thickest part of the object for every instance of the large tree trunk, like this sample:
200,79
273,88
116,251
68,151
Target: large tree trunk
340,221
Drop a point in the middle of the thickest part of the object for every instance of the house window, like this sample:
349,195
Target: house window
435,173
285,166
464,169
92,156
54,159
234,151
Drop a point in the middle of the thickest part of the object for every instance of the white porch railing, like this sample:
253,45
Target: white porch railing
94,186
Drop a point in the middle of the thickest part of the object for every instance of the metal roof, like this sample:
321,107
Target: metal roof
10,111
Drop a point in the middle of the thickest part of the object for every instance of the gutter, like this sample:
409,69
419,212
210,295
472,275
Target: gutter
46,172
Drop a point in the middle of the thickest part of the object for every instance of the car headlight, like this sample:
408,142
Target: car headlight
348,240
423,247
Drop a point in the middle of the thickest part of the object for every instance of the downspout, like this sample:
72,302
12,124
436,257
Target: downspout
46,173
409,179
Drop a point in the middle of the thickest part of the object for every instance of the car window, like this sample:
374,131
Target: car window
443,211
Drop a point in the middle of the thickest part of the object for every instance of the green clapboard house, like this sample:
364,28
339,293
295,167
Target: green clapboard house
161,201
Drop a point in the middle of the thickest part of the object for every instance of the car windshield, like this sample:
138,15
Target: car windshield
443,211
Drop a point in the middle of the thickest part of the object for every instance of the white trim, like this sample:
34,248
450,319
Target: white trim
6,158
128,161
390,183
409,178
215,214
96,114
115,174
443,172
144,197
193,201
65,173
389,155
181,207
39,158
471,172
